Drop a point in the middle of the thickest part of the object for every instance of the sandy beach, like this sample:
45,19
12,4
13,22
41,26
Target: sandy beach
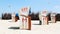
51,28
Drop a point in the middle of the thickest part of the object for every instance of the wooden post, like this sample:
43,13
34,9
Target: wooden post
29,23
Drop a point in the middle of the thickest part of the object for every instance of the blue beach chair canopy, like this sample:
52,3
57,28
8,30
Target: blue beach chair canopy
17,14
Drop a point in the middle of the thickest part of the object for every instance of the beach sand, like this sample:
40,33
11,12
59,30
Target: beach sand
51,28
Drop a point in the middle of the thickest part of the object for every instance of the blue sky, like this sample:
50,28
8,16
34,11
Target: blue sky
36,5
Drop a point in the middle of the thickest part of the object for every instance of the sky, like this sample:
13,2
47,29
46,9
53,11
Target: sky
11,6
